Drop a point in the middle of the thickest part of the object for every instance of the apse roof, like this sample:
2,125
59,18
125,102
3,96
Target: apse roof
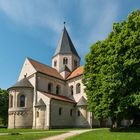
22,83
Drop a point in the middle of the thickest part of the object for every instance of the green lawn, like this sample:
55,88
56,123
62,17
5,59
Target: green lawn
28,136
105,134
5,130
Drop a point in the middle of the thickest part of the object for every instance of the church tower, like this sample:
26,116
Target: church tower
65,58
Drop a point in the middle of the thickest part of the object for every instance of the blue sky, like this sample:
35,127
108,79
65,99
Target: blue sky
32,28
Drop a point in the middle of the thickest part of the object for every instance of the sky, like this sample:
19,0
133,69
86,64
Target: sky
32,28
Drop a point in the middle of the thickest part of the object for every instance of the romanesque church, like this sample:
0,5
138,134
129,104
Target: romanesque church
47,97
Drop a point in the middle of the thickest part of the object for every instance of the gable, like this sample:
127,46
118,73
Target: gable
42,68
27,69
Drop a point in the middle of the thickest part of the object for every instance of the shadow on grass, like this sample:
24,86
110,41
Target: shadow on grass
126,129
3,126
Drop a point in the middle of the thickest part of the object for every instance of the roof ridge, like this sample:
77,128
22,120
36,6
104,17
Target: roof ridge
55,94
57,97
40,63
45,69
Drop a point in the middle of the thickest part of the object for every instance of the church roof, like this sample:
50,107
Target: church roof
77,72
82,102
58,97
45,69
24,83
65,45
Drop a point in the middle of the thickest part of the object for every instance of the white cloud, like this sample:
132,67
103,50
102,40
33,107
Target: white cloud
37,12
95,18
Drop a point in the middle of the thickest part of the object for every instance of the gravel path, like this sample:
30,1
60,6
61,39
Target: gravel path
66,135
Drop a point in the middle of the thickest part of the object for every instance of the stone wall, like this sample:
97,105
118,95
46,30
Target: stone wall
44,80
65,119
73,82
21,117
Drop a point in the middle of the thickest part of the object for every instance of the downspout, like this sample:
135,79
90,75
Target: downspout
50,114
91,120
14,120
35,98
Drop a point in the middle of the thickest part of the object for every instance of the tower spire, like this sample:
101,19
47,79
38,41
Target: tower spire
65,45
65,53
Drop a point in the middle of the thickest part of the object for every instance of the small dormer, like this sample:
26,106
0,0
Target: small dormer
65,71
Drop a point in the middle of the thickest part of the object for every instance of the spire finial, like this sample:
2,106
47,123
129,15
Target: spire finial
64,23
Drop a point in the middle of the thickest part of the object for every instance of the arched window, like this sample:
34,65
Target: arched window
75,63
71,90
60,111
22,101
71,112
78,113
50,87
65,60
10,101
78,88
55,63
58,88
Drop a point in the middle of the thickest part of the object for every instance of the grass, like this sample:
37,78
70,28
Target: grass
5,130
29,136
105,134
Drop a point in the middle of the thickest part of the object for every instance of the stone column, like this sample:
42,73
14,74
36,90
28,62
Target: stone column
48,116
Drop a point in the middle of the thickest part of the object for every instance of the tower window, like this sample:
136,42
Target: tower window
60,111
78,88
22,101
71,90
75,63
55,63
65,61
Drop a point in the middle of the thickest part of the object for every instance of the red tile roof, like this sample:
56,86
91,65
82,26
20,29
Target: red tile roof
58,97
77,72
45,69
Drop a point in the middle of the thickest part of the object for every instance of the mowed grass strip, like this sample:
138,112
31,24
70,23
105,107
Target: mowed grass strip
5,130
30,136
105,134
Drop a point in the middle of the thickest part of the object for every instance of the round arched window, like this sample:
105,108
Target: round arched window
78,88
65,60
22,101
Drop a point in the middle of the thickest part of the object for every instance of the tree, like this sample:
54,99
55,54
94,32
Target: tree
112,73
4,106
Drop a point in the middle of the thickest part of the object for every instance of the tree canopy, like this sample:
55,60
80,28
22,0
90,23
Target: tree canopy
112,72
4,106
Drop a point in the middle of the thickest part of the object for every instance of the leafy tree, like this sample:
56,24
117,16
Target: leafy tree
112,73
4,106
